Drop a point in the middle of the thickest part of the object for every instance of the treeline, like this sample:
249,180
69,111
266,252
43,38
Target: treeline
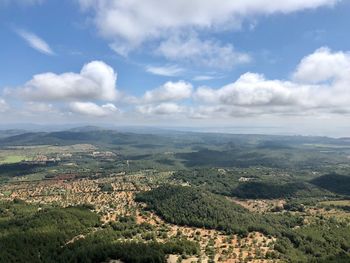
336,183
210,179
16,169
103,245
275,156
231,158
258,188
266,190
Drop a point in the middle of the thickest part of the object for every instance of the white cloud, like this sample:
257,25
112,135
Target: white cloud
323,65
96,80
130,23
167,108
35,42
253,90
204,77
170,91
3,105
202,53
168,70
92,109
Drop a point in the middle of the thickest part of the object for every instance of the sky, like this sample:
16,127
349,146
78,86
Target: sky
281,66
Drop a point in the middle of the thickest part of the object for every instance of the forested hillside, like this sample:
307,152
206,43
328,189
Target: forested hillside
321,241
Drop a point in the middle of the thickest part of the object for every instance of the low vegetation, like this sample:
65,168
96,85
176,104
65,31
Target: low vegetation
94,195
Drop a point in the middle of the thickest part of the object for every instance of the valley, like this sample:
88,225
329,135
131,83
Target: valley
155,194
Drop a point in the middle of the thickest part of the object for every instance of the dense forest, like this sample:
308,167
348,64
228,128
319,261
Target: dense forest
191,206
41,234
262,183
336,183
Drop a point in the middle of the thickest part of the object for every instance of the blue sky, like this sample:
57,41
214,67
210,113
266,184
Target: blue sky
204,63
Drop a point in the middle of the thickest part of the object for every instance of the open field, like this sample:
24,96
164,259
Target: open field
8,159
336,203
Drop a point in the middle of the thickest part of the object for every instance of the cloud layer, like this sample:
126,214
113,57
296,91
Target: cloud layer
130,23
319,86
165,108
92,109
208,53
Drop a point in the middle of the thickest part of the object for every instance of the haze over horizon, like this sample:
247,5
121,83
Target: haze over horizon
224,66
169,131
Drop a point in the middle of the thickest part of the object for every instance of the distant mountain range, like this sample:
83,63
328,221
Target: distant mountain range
104,136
